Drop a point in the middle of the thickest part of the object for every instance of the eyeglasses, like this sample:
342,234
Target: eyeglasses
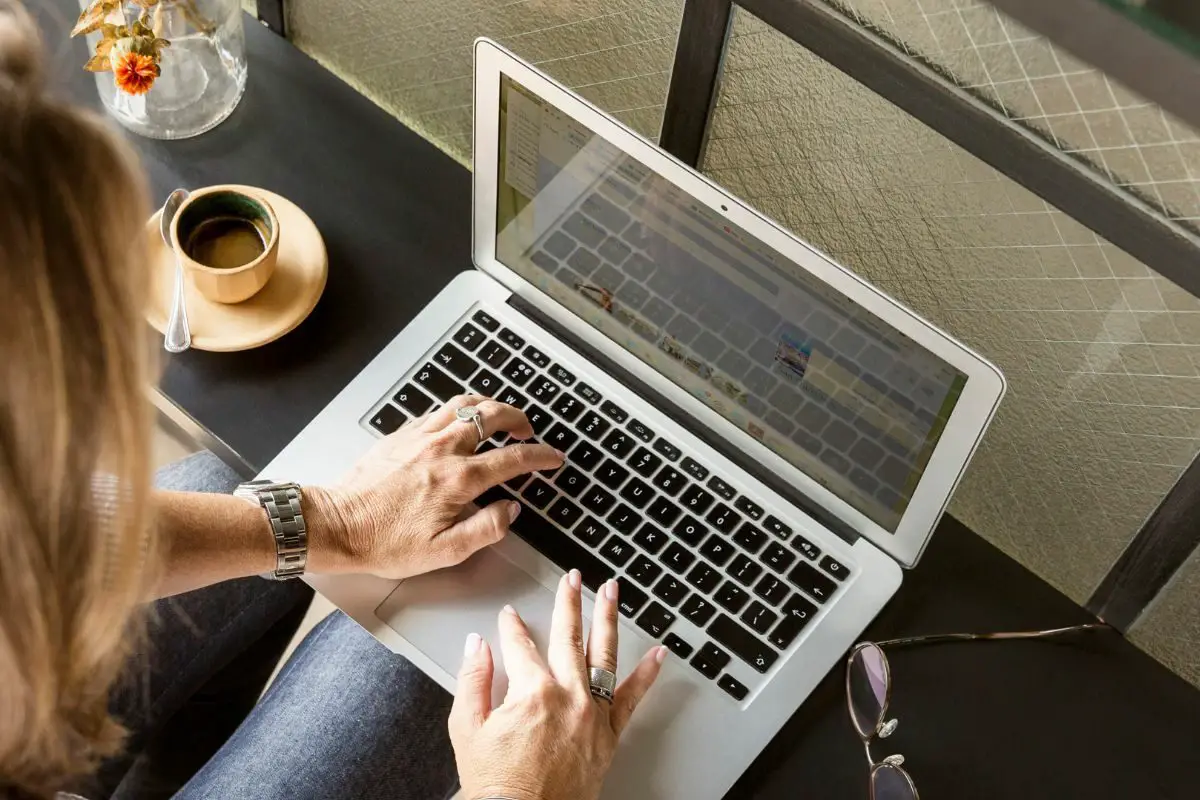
869,691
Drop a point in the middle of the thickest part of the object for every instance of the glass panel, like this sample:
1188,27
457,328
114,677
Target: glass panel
1170,628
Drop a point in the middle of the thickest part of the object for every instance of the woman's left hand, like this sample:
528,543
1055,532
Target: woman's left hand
404,508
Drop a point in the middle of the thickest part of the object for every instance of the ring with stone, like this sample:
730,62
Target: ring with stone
471,414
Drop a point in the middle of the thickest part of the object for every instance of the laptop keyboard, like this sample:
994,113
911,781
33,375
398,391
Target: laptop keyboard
701,566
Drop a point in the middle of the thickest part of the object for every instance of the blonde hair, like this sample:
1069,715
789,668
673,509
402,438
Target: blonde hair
76,544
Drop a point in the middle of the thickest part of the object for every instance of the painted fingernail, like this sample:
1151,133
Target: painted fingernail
472,645
575,579
610,589
514,508
660,655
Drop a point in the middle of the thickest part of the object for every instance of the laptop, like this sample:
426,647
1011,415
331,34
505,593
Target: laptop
758,441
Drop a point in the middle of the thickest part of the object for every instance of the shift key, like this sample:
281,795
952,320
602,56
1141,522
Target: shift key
559,547
745,645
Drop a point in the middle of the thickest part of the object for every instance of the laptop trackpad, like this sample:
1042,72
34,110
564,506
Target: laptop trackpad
436,611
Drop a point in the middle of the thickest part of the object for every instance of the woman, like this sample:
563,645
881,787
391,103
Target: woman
101,696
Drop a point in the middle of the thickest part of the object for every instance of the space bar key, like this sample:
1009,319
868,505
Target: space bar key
558,546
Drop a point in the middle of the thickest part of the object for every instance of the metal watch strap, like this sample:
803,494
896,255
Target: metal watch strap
282,502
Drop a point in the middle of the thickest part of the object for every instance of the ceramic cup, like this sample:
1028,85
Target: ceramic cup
228,241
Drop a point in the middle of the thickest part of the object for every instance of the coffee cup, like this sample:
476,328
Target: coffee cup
228,241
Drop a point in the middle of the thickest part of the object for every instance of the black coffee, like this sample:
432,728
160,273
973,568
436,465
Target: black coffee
225,242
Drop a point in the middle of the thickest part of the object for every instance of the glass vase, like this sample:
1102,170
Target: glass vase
203,71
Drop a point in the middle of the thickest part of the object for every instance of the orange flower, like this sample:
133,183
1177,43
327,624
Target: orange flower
135,73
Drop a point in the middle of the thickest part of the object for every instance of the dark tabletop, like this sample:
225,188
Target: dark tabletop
1090,716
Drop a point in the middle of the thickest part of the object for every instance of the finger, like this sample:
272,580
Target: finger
493,417
522,662
439,418
486,526
482,471
602,644
473,697
631,691
565,652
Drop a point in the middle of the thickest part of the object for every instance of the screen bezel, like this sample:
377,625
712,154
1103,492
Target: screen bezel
976,407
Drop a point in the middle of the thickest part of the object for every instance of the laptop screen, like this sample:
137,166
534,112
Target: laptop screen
827,385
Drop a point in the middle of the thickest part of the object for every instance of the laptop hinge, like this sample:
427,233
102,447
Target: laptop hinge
668,407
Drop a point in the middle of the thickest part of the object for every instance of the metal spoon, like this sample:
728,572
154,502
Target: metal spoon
178,336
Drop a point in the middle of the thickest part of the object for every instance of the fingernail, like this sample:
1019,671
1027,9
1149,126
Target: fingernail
472,645
514,508
575,579
610,589
561,454
509,610
659,656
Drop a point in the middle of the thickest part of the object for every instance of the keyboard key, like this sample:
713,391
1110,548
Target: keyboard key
518,372
695,499
469,337
810,550
710,660
560,437
723,518
611,474
778,557
564,512
455,361
571,481
697,610
413,400
731,597
668,451
568,407
759,617
439,384
650,538
655,620
625,519
494,354
748,507
538,493
644,462
513,398
388,419
637,493
511,339
677,557
716,549
834,568
671,590
805,576
721,488
732,687
486,383
543,390
744,570
776,527
560,374
690,530
771,589
796,614
536,356
678,646
614,411
694,468
643,570
640,430
586,456
539,418
630,598
669,481
517,482
597,500
485,320
590,531
750,538
564,551
744,644
587,393
618,443
704,577
617,550
593,425
663,511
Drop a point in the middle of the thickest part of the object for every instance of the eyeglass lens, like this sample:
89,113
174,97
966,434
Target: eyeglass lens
868,688
891,783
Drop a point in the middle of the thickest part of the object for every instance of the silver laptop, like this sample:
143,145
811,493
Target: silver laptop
757,440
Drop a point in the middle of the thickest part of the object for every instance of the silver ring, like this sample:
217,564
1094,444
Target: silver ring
471,414
602,683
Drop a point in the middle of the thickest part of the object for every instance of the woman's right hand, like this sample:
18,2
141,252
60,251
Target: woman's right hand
549,739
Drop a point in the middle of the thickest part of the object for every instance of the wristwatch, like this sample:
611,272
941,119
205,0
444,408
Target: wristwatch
282,504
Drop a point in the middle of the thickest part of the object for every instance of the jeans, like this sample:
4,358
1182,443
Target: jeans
345,718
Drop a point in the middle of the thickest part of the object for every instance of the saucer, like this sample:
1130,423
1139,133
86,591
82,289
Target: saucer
287,299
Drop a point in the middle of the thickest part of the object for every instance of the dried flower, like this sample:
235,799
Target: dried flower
134,72
133,52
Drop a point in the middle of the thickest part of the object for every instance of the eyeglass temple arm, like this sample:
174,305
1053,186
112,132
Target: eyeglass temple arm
967,637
